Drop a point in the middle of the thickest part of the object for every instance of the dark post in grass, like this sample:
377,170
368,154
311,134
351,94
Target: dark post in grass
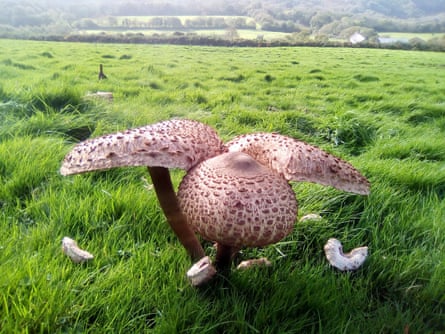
101,72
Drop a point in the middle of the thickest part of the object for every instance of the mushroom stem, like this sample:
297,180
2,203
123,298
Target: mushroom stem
163,186
223,258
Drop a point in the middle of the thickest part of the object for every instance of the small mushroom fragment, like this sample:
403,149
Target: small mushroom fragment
261,262
310,216
201,272
72,250
235,194
344,261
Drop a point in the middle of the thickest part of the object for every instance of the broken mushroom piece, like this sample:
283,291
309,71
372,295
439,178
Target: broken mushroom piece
344,261
72,250
261,262
236,194
201,272
310,216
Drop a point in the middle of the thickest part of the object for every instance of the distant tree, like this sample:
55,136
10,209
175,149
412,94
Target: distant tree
437,43
196,23
155,22
237,22
231,33
321,39
301,37
331,29
319,20
86,24
112,21
172,22
216,22
418,43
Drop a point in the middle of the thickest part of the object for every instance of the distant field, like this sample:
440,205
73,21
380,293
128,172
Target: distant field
425,37
249,34
382,110
119,24
136,21
242,33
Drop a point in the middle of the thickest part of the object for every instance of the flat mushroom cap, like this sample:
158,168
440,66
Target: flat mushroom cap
234,200
170,144
298,161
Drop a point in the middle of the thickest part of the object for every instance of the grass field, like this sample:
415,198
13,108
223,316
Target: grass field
384,111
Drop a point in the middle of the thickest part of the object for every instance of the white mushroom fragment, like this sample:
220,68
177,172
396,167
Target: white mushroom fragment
72,250
236,195
310,216
344,261
261,262
201,272
106,96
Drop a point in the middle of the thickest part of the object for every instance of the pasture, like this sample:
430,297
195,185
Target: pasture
382,110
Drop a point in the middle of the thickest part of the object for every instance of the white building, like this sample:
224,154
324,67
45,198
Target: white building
356,38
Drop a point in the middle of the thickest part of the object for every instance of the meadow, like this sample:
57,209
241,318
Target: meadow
382,110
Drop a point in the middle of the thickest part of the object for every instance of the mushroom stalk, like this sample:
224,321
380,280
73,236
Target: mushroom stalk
168,201
223,258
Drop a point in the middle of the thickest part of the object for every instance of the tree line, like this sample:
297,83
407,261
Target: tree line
320,19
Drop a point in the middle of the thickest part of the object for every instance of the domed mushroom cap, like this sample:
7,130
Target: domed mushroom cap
298,161
170,144
234,200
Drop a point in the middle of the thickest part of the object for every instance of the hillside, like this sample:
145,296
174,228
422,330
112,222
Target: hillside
393,8
320,19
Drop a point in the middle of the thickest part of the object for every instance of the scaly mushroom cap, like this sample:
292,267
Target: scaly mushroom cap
299,161
234,200
170,144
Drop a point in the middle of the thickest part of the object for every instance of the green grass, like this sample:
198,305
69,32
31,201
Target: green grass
384,111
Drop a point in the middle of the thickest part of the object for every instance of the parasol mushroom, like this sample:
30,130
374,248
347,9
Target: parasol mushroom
237,194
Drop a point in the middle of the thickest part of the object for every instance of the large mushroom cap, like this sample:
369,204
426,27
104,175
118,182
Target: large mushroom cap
234,200
298,161
170,144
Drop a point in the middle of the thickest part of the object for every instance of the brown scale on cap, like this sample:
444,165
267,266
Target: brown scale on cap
240,198
234,200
